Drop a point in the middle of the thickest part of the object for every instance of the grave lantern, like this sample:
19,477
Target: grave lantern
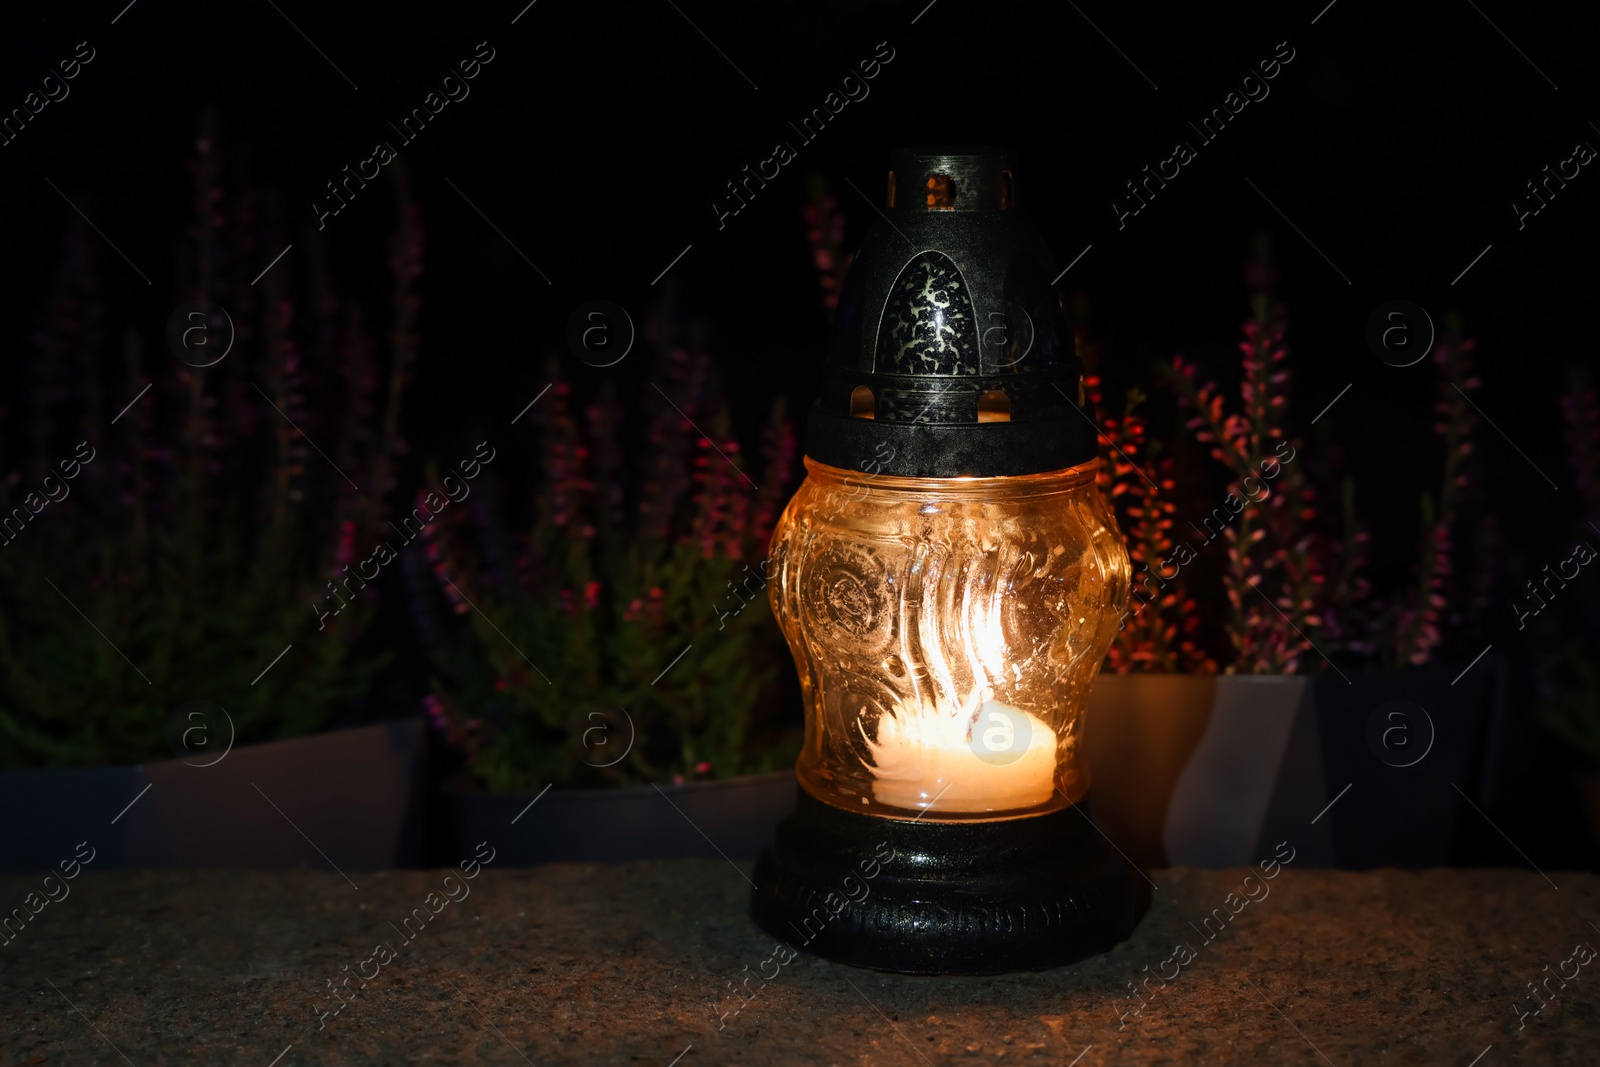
949,578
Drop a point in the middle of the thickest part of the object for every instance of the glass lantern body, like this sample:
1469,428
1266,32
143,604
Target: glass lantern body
946,632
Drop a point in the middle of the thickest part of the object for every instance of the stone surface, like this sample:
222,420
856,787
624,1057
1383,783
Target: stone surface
633,964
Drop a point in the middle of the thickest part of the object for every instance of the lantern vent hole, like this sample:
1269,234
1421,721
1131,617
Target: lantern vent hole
863,405
941,192
994,406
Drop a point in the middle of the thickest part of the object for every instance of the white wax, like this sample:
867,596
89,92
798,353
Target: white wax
1002,760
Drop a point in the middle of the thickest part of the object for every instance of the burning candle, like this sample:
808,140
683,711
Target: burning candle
995,758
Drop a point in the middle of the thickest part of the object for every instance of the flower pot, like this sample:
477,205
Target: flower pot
1254,779
349,798
1403,805
1139,732
734,817
53,810
1202,771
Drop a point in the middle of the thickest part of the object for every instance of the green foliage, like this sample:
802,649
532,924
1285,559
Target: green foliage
1572,710
197,623
189,550
629,612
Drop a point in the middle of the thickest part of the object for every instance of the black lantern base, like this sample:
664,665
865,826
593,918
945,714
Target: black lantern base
929,897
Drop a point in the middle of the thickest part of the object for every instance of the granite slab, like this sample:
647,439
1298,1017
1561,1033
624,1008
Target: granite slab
658,963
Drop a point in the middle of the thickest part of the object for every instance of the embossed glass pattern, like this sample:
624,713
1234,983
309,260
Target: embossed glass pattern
946,631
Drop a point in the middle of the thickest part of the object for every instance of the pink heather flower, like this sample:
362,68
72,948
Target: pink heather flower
346,550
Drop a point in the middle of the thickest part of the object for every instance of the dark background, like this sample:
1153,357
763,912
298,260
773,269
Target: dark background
598,135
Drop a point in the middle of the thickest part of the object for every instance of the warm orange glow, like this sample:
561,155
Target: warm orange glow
947,631
994,406
941,192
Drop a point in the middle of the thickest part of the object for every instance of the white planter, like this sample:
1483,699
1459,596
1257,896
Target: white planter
1214,771
1260,759
1207,770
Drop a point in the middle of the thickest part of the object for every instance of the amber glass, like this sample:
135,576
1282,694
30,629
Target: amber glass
946,631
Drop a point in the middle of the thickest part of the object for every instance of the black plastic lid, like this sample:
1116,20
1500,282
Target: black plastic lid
954,354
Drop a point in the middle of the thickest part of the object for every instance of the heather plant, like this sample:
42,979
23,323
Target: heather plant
625,608
1160,629
1347,620
1276,554
1580,411
187,553
1411,630
825,235
1415,625
1569,678
1288,576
